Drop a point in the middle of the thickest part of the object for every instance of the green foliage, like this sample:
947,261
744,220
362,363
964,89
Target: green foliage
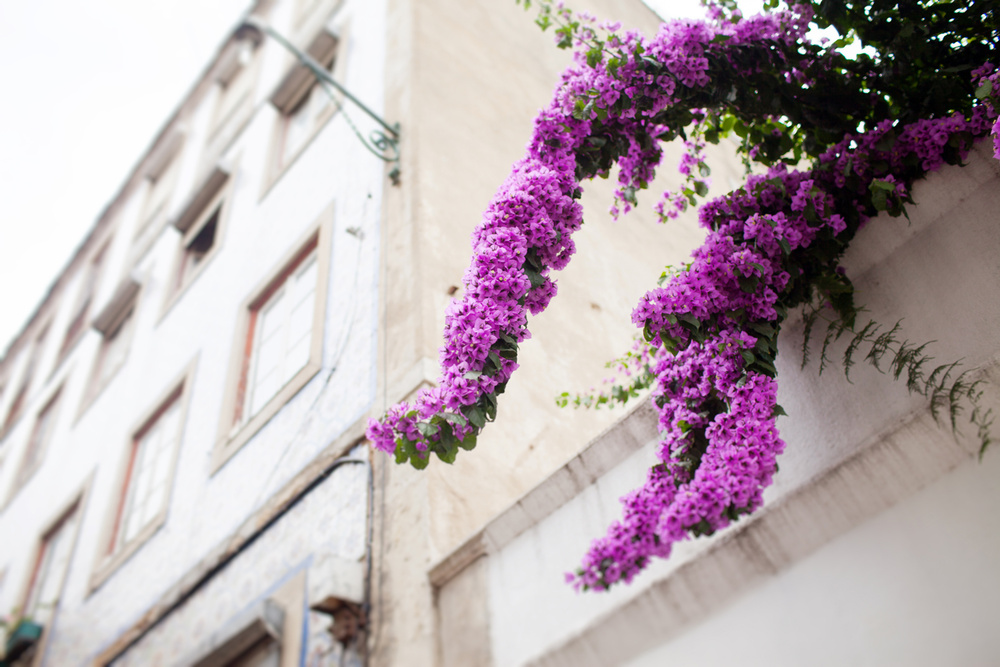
948,390
914,63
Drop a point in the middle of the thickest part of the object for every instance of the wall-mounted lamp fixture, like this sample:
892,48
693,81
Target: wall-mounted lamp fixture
383,144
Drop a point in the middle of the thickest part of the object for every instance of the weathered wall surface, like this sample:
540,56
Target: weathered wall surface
206,507
916,585
329,523
468,79
854,451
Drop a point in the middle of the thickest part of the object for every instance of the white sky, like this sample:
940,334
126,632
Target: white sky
86,87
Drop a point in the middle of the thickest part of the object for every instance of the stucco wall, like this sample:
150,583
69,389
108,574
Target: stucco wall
854,450
334,173
469,78
330,522
917,585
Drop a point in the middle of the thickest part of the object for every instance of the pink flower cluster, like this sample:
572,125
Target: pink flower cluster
714,324
988,77
717,414
526,230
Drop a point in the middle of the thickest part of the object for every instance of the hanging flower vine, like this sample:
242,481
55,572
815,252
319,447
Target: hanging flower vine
866,130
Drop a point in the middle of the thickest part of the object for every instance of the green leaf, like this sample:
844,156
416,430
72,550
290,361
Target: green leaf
647,332
778,411
689,319
879,199
401,451
427,430
420,460
468,443
454,418
748,283
985,90
537,280
670,344
476,416
594,55
448,453
700,188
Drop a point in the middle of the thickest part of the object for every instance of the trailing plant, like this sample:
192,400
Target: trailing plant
865,129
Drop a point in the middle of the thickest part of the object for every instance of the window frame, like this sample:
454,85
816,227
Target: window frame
234,430
37,445
86,295
163,170
112,553
295,88
213,199
279,618
35,355
118,318
75,506
240,65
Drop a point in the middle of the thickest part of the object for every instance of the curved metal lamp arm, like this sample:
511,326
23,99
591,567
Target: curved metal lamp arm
379,143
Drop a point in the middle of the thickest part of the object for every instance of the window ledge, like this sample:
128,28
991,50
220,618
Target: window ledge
110,563
232,442
200,199
275,174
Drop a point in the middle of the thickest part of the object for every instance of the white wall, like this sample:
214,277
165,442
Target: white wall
917,585
335,169
854,450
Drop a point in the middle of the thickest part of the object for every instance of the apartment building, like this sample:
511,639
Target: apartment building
183,473
212,340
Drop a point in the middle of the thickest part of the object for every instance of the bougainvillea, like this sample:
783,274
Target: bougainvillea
772,245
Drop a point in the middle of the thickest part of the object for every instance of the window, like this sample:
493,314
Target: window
197,247
299,124
38,442
200,224
265,653
161,174
279,341
304,9
17,405
280,335
304,105
235,77
50,568
269,633
147,475
113,350
84,301
141,497
115,323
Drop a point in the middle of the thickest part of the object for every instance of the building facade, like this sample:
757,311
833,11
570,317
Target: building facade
192,391
183,473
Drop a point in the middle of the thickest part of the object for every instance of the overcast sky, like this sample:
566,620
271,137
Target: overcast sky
86,87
